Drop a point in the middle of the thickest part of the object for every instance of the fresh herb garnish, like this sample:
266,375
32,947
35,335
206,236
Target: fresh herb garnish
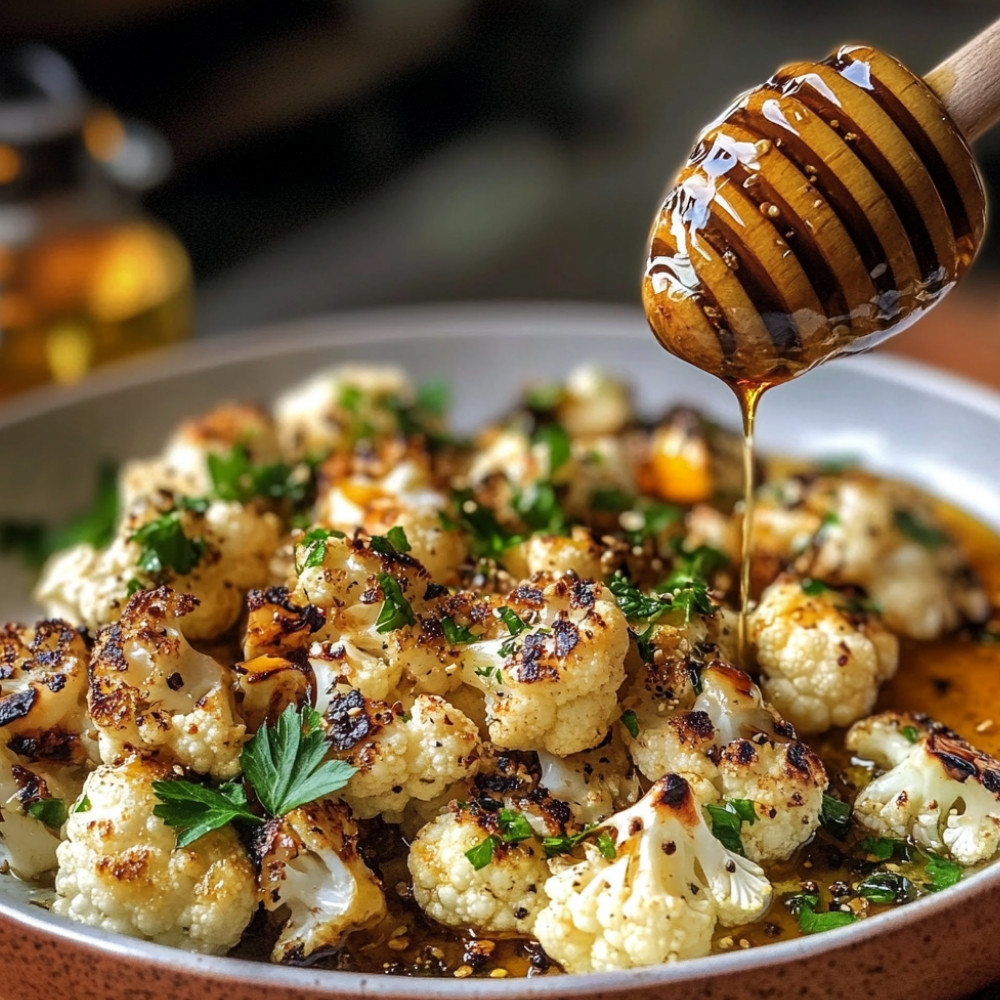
804,904
515,625
564,843
52,812
927,535
631,723
456,634
235,477
909,733
556,441
835,816
887,887
813,588
655,517
611,498
393,542
727,820
82,805
941,872
882,848
310,550
283,764
538,506
635,605
488,539
396,611
163,545
513,828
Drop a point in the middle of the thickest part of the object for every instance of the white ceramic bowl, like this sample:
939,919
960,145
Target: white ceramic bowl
898,417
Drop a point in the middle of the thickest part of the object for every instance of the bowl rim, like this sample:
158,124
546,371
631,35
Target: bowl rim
467,320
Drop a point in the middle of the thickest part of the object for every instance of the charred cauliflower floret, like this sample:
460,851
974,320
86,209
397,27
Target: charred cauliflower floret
499,892
394,487
935,788
882,536
217,551
43,692
728,744
309,867
555,684
120,869
334,410
657,897
821,653
399,756
151,691
183,465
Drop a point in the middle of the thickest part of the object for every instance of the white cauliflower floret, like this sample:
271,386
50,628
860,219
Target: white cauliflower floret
43,692
393,488
150,690
309,864
883,536
591,402
594,783
216,551
936,790
33,804
182,466
331,411
580,552
119,868
399,755
503,896
822,657
554,685
658,898
728,744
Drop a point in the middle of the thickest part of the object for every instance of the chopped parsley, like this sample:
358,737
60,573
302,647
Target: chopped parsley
393,542
835,816
556,441
310,550
396,611
887,887
164,546
235,477
727,821
515,625
635,605
927,535
456,634
513,827
803,905
285,766
909,733
488,539
51,812
631,723
564,843
813,588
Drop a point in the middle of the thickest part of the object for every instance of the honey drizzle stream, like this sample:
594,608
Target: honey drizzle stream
748,394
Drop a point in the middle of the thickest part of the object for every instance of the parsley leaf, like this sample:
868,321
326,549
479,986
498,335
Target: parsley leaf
515,625
52,812
887,887
488,539
556,441
728,819
564,843
942,873
285,765
198,809
634,604
396,611
393,542
482,854
927,535
310,550
631,723
538,506
813,588
835,816
235,477
165,546
909,733
655,517
810,922
456,634
513,827
881,848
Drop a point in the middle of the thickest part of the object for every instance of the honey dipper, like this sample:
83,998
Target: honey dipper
825,210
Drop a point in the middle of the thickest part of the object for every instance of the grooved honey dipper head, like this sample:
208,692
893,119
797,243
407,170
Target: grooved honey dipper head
823,212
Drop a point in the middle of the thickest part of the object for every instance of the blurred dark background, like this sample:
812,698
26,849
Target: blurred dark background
353,152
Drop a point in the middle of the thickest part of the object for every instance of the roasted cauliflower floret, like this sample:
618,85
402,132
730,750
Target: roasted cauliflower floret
332,411
119,868
43,692
182,467
502,896
309,865
554,686
151,691
217,551
658,898
882,536
395,487
822,656
936,789
399,756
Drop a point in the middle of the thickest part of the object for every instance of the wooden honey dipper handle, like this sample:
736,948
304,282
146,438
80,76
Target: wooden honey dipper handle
968,83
